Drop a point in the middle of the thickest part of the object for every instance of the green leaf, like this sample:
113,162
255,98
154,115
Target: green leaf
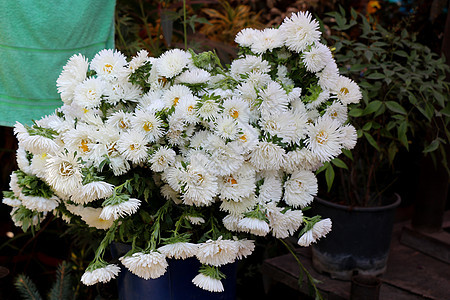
446,110
376,75
367,126
432,146
392,151
401,131
339,163
355,112
372,107
371,141
347,153
395,107
401,53
329,176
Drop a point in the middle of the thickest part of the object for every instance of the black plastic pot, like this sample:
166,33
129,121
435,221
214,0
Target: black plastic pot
358,242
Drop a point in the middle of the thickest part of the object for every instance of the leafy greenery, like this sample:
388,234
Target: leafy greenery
405,102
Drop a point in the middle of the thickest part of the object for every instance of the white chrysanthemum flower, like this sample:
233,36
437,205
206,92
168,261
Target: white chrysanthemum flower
185,110
14,184
208,109
283,224
170,194
109,64
319,230
73,73
238,208
39,204
37,166
237,108
226,127
316,58
225,158
246,37
80,140
103,274
91,216
132,145
195,220
120,210
138,61
200,186
254,226
121,90
347,91
120,120
300,31
217,252
175,94
267,156
148,124
301,159
13,202
89,93
152,101
300,189
271,190
162,158
208,283
337,111
267,40
237,186
64,173
172,62
146,265
180,250
193,76
274,99
93,191
231,222
248,138
282,74
22,161
245,246
119,165
329,76
36,144
289,126
349,136
174,177
324,139
248,64
321,98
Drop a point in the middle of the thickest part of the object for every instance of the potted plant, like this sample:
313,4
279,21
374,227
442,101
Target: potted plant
405,105
182,159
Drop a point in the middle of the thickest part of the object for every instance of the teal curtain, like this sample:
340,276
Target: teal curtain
36,40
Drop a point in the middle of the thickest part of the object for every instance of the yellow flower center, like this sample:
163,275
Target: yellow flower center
234,113
322,137
148,126
107,68
344,91
85,110
175,101
163,81
122,124
190,108
66,169
132,147
243,138
232,180
84,147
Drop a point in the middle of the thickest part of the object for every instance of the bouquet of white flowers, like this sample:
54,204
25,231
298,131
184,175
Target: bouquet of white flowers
180,157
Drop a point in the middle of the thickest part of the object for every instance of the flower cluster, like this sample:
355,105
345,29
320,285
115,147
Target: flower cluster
181,157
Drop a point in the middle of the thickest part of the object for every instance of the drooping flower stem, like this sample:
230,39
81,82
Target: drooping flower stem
107,240
311,280
156,228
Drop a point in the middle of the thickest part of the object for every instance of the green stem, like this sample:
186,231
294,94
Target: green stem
303,269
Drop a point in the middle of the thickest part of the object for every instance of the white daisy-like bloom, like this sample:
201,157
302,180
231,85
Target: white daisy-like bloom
148,124
13,202
208,109
301,159
22,161
248,64
175,94
248,138
317,57
199,139
300,189
132,145
120,120
329,76
170,194
138,61
319,230
217,252
119,165
246,37
200,186
245,246
109,64
289,126
79,140
349,136
174,176
104,274
37,166
180,250
93,191
193,76
89,93
231,222
238,208
146,265
324,138
121,90
295,94
14,184
195,220
267,156
282,74
152,100
300,31
120,210
337,111
283,224
248,93
208,283
185,110
73,73
236,108
91,216
347,91
274,99
36,144
254,226
162,159
272,188
267,40
64,173
226,127
39,204
172,62
258,79
236,186
321,98
225,159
